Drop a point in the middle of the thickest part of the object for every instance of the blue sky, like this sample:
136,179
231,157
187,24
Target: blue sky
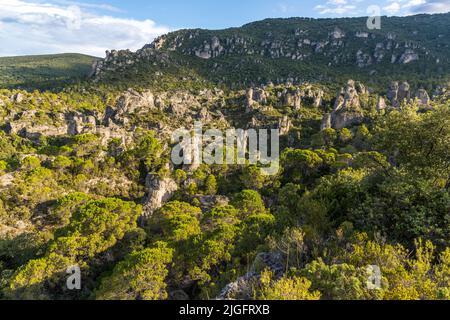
93,26
213,14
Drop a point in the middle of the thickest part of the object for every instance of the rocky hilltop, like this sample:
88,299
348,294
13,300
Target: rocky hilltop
293,50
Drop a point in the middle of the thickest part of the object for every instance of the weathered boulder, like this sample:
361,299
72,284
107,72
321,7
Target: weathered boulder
408,56
254,98
297,100
132,100
6,180
404,92
423,98
160,190
204,115
392,93
347,109
210,49
337,33
78,123
292,98
284,125
342,119
318,98
269,260
380,52
29,126
348,98
249,102
182,103
361,88
363,59
260,95
381,104
242,288
209,202
314,95
398,93
17,98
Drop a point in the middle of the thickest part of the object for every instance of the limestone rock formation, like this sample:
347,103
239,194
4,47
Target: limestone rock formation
316,95
6,180
381,104
363,59
348,98
399,93
249,102
260,96
423,98
347,109
284,125
242,288
209,202
392,93
326,122
404,92
337,33
181,103
131,100
78,123
293,98
17,98
254,98
160,190
210,49
26,125
408,56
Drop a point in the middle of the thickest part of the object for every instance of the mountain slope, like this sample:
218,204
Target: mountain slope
415,48
44,70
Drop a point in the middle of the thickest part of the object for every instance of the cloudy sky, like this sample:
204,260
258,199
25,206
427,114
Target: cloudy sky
93,26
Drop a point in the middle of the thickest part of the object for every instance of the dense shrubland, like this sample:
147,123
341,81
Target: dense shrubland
372,194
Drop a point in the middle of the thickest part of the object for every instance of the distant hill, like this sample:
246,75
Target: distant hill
413,48
44,71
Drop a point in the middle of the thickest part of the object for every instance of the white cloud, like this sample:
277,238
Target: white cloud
337,2
413,3
101,6
406,7
393,8
432,6
390,7
338,7
40,28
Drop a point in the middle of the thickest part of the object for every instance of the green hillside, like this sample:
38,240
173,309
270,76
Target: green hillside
43,71
414,49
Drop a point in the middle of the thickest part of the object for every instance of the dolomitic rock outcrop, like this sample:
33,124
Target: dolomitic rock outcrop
159,191
241,289
347,109
423,98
